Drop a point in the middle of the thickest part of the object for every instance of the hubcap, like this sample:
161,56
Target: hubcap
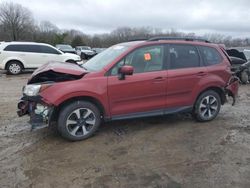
80,122
208,107
14,68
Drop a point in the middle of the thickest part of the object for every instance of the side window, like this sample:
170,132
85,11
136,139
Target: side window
48,50
23,48
210,55
146,59
11,48
183,56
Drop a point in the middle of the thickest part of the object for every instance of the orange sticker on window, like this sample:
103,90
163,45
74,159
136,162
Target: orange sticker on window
147,57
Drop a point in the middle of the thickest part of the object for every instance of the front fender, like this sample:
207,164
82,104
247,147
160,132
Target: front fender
60,92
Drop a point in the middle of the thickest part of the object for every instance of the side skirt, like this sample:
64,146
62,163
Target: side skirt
151,113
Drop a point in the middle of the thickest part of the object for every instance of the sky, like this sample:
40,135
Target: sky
228,17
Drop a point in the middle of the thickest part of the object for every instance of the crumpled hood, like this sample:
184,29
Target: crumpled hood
57,72
60,67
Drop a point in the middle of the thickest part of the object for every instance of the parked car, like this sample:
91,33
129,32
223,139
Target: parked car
85,52
240,52
98,50
17,56
130,80
66,48
240,60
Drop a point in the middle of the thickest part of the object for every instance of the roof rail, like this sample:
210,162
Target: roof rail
138,39
178,38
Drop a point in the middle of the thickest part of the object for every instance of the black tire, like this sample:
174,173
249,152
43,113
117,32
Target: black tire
244,77
72,123
14,67
71,61
83,56
207,106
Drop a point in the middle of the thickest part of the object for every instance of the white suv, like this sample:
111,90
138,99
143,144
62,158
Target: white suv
85,52
16,56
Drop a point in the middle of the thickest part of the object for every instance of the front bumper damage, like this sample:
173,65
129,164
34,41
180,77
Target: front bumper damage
232,87
39,112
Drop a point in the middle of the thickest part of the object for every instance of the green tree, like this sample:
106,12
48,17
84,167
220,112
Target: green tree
77,41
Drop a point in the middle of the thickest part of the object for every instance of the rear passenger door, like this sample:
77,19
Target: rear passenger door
185,70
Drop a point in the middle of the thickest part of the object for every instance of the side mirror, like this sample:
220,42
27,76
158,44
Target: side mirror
125,70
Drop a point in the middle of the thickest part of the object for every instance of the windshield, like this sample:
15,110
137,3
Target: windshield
107,56
85,47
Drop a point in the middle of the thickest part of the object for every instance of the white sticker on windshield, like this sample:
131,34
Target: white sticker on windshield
118,47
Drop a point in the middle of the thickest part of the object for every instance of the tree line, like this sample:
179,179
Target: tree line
17,24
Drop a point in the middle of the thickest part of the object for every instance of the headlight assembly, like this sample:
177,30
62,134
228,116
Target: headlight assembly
33,89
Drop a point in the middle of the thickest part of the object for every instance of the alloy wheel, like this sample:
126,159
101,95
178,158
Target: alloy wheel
14,68
208,107
80,122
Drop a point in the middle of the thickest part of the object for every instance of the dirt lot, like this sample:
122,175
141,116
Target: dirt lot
172,151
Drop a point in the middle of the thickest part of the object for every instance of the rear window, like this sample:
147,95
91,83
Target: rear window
210,55
48,50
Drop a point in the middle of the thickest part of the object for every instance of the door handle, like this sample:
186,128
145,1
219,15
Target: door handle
160,78
200,74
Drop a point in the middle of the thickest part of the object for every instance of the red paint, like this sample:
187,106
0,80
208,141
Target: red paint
140,92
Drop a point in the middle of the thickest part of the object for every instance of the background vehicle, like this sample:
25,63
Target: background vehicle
85,52
240,59
16,56
66,48
98,50
131,80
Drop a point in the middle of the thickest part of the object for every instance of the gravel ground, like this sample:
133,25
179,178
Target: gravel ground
172,151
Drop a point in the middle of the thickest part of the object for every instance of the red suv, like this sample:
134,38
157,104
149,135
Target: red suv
130,80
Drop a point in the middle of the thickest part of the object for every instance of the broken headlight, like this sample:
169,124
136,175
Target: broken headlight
33,89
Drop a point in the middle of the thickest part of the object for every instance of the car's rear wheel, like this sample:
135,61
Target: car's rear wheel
207,106
14,67
244,77
79,120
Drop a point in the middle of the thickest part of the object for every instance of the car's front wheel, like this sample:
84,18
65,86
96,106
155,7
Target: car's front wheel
83,56
207,106
14,67
79,120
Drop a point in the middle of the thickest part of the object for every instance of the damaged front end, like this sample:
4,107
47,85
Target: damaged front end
32,103
39,112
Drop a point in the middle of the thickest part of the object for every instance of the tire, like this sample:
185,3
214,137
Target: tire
72,123
14,67
83,56
207,106
244,77
71,61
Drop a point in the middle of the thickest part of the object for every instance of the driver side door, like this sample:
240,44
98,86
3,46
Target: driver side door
144,92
